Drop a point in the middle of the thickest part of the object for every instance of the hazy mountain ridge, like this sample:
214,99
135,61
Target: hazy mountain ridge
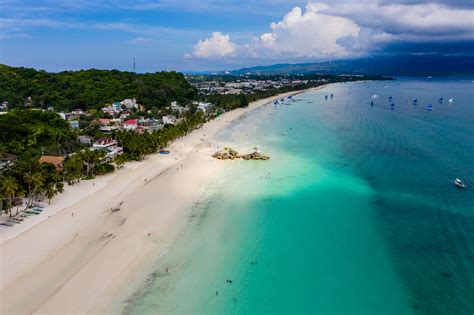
401,65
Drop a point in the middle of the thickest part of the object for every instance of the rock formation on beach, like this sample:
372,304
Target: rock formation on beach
231,154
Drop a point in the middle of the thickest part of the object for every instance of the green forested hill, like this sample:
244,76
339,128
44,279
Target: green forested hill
90,88
33,132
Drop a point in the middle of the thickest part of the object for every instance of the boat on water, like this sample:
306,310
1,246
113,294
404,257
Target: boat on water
390,98
451,100
429,107
440,100
275,103
325,97
332,96
459,183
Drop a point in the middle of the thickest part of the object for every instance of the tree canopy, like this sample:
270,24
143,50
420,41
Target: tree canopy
34,132
92,88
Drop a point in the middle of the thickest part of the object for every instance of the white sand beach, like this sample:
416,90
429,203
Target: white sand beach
78,255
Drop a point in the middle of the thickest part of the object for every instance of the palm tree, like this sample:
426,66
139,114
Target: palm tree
50,192
20,193
29,178
119,161
57,177
38,184
73,168
9,188
91,158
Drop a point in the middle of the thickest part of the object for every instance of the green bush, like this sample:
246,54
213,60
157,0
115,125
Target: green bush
104,168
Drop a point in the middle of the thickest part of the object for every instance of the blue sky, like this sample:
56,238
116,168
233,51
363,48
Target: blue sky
218,35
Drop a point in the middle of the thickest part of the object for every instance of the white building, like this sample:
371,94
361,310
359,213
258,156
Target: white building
110,110
117,106
203,106
129,103
169,120
130,124
74,124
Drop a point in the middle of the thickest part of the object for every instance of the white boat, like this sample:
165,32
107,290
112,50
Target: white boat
459,183
451,100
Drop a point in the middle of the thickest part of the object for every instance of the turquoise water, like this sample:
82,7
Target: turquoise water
353,214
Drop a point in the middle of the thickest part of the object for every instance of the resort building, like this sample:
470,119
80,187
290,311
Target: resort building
203,106
103,143
117,106
110,110
169,120
130,124
7,159
74,124
57,161
85,140
129,103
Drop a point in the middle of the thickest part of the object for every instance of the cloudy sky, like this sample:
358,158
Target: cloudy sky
199,35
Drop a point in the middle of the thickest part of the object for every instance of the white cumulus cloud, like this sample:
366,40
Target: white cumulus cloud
217,46
345,29
308,33
300,34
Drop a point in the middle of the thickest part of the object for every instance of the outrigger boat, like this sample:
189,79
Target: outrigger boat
459,183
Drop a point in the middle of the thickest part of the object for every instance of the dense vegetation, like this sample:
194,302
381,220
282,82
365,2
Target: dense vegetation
137,145
93,88
32,132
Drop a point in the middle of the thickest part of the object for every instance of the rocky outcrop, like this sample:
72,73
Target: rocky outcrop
231,154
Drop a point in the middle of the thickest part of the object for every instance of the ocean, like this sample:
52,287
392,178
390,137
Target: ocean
355,212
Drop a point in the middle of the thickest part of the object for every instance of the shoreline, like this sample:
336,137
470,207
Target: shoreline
79,255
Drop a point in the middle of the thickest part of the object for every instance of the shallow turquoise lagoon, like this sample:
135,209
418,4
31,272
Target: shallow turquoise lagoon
355,212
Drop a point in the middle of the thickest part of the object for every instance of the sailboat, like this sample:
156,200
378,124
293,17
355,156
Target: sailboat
459,183
451,100
429,107
440,100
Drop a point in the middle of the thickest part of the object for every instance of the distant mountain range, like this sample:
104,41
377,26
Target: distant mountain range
399,65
